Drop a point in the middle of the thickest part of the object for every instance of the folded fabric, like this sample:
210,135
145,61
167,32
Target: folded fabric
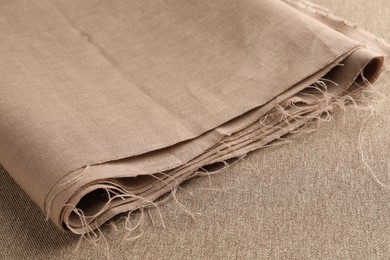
106,106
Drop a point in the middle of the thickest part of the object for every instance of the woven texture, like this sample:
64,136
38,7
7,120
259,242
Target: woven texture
311,198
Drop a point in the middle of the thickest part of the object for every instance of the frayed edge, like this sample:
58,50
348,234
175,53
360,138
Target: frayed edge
327,103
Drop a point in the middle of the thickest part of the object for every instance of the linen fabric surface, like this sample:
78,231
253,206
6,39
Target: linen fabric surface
108,105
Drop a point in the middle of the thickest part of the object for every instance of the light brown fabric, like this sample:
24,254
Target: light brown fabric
109,105
320,202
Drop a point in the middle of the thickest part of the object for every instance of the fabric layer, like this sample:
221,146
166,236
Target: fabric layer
127,100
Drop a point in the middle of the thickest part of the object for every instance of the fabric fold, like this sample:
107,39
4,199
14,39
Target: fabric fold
110,105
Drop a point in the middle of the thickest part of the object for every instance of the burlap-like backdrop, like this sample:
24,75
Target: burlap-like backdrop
320,201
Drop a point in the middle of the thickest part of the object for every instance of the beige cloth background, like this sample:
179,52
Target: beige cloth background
312,198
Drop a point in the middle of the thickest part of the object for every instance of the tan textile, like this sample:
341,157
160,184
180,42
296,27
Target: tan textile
108,105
